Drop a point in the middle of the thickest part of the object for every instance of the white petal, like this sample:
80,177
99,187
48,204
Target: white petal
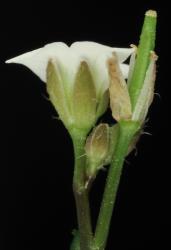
123,53
92,49
68,60
100,72
97,56
125,69
37,60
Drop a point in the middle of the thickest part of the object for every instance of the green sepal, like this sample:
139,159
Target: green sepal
103,103
84,99
56,93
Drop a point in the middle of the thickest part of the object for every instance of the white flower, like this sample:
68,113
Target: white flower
69,57
67,62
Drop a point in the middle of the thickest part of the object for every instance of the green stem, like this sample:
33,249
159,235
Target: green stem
146,45
126,133
83,215
75,244
81,193
78,139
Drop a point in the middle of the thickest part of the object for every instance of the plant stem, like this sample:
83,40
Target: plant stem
146,45
81,193
83,215
78,139
127,129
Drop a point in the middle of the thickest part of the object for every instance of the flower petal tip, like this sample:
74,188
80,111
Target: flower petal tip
8,61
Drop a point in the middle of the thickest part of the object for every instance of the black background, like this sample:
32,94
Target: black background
36,194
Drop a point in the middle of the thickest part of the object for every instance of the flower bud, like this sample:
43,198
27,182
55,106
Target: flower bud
97,148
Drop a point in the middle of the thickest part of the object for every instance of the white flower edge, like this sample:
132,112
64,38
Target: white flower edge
68,60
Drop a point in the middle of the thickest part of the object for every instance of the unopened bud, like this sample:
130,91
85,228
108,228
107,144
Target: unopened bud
97,147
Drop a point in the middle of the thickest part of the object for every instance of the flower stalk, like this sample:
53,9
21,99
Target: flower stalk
81,192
